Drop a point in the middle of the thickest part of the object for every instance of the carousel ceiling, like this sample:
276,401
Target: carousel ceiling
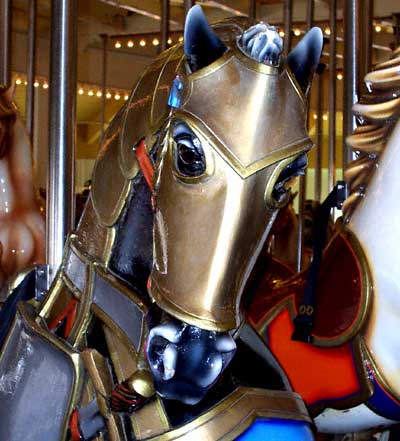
133,28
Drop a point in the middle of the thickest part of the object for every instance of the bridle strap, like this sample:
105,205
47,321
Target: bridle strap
304,321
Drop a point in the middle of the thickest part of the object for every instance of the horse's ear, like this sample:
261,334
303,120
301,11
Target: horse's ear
201,44
9,93
304,58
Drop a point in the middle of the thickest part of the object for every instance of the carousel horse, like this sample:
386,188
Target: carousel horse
333,331
141,335
22,229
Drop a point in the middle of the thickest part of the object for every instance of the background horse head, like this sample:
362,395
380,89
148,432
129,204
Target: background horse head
21,223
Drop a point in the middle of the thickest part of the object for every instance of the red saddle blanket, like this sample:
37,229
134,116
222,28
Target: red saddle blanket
327,370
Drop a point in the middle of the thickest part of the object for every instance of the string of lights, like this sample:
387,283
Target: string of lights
130,41
87,89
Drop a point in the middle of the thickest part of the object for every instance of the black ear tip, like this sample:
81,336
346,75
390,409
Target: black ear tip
201,44
304,58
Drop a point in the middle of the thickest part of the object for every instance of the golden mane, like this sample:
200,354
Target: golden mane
377,111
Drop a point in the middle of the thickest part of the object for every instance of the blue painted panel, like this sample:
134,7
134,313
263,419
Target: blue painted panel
265,429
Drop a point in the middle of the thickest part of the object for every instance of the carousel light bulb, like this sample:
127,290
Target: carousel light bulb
130,43
169,41
156,42
327,31
378,28
108,95
81,91
90,93
25,83
281,34
142,43
315,116
325,117
99,94
45,86
18,81
180,39
36,84
297,32
117,96
117,45
339,76
126,96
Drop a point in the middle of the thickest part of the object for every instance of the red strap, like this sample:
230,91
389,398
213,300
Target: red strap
74,427
145,164
69,314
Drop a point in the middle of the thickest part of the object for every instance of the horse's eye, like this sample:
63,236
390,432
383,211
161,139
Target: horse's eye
189,156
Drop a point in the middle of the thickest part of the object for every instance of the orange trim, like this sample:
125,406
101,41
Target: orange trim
69,313
74,427
145,164
317,374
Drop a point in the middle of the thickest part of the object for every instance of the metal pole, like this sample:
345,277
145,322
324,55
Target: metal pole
187,4
164,24
103,86
319,132
30,90
351,64
332,97
60,184
303,179
310,14
367,34
287,24
253,10
5,44
396,23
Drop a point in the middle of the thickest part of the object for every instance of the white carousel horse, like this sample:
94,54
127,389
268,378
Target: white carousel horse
349,370
22,227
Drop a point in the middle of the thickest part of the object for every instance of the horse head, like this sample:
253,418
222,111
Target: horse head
190,178
8,115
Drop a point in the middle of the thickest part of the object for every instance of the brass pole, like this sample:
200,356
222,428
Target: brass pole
30,90
5,44
332,96
351,63
253,10
187,4
104,38
287,24
164,24
319,132
303,179
60,184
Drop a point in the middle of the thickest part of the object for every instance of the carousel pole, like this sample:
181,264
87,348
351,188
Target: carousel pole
187,4
104,38
30,90
164,24
60,184
253,10
303,179
352,15
287,25
5,45
396,22
367,33
319,132
332,97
